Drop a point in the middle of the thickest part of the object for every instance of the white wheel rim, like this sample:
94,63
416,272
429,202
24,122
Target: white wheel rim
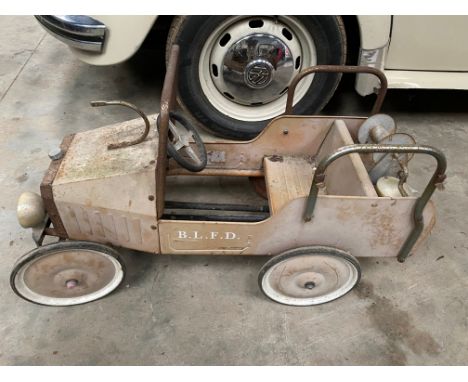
306,280
65,277
238,27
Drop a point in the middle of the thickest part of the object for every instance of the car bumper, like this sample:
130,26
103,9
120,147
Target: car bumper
81,32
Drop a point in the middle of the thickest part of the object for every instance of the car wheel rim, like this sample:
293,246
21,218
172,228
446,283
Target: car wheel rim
305,280
247,64
64,277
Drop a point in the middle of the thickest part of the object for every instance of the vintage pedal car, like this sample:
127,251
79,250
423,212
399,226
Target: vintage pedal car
336,190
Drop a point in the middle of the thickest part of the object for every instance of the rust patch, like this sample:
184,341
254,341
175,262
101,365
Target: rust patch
46,190
344,212
216,156
397,326
275,158
382,222
311,159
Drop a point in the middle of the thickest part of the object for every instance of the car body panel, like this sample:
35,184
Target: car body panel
413,51
374,30
432,43
418,52
124,36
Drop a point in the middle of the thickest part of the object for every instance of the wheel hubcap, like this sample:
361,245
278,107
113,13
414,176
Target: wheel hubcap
260,62
68,277
309,279
251,61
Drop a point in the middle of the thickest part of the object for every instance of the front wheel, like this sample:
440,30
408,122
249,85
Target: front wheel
309,276
235,71
67,273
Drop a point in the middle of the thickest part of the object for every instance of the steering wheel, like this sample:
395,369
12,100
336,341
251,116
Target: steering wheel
178,143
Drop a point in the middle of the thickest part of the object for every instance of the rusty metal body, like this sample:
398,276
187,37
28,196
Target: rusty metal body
118,196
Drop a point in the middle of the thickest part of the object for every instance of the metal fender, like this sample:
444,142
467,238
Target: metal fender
124,36
375,37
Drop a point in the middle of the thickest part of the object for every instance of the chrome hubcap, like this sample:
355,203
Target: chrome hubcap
261,62
250,61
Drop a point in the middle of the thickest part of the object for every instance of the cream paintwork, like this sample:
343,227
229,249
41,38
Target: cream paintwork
429,43
124,36
374,31
108,196
423,52
420,52
401,79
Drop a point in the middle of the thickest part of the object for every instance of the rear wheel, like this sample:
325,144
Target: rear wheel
67,273
235,70
309,276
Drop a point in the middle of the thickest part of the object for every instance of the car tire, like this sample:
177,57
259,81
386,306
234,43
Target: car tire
314,40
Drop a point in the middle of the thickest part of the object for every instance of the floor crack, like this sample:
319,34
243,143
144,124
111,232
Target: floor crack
23,66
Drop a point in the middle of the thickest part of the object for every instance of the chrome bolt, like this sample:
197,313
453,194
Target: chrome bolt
56,153
309,285
72,283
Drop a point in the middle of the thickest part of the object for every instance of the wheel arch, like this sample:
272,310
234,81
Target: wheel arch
353,39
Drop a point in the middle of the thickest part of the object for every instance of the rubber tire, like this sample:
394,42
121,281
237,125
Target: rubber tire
316,249
174,154
191,32
43,250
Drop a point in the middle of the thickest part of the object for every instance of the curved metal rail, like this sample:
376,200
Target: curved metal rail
339,69
134,108
436,180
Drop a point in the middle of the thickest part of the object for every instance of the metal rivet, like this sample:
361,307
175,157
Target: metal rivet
285,131
153,227
56,153
151,197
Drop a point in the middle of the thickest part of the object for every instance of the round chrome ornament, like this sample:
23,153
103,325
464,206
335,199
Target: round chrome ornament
259,73
257,69
67,273
309,276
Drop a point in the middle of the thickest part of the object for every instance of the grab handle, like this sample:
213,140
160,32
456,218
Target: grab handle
437,179
136,141
339,69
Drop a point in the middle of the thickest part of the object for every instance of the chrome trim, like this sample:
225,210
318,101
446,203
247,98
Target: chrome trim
373,58
77,31
259,61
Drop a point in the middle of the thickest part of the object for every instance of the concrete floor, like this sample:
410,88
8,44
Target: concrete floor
209,310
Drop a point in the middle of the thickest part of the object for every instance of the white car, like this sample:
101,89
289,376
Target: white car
235,70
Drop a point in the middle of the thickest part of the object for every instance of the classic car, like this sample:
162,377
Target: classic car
235,70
